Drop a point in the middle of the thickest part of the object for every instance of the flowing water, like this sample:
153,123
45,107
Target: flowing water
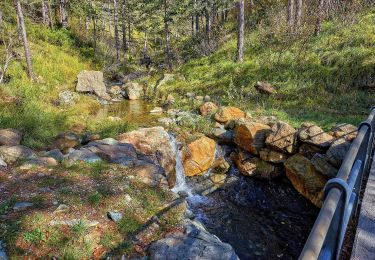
261,220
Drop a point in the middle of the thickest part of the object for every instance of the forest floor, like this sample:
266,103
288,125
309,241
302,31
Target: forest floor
68,218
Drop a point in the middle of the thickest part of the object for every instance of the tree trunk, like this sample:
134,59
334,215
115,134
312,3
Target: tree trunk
87,25
94,33
241,29
45,13
115,24
299,13
50,14
319,17
123,27
1,19
208,24
192,26
24,38
63,14
167,37
290,15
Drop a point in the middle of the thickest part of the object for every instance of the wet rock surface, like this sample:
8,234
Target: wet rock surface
195,243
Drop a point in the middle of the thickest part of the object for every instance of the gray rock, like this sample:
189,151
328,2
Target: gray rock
223,136
22,205
12,154
196,243
133,90
10,137
124,154
156,110
81,155
56,154
39,162
109,141
3,253
166,121
114,215
336,153
67,97
207,98
190,95
347,131
321,163
313,134
61,209
92,82
2,163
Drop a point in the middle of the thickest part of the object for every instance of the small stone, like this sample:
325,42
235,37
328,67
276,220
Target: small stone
22,205
220,166
156,110
10,137
67,97
218,178
206,98
170,98
12,154
226,114
190,95
208,108
61,209
56,154
128,198
115,216
199,98
265,88
166,121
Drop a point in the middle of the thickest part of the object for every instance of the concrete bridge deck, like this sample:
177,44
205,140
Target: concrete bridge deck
364,244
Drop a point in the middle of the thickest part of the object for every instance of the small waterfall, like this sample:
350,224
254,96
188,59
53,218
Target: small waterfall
181,185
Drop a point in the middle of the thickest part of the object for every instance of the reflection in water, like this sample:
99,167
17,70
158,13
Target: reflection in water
133,111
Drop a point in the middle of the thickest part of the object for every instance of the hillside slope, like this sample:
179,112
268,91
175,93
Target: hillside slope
320,79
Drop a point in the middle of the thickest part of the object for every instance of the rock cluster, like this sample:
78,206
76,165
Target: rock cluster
266,147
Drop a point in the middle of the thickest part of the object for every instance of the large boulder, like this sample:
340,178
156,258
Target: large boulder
66,140
10,137
198,156
283,138
133,91
121,153
321,163
313,134
155,145
92,82
250,136
226,114
195,243
12,154
208,108
347,131
305,178
336,153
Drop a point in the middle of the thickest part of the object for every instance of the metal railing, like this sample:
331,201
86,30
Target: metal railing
341,197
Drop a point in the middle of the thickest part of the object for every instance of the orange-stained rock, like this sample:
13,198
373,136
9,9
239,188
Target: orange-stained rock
226,114
251,136
208,108
198,156
305,178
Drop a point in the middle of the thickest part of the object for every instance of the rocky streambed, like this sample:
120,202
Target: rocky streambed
254,183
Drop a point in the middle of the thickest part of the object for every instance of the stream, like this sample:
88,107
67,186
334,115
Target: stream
260,219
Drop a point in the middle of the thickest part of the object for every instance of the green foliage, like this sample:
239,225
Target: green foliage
95,198
35,236
6,205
